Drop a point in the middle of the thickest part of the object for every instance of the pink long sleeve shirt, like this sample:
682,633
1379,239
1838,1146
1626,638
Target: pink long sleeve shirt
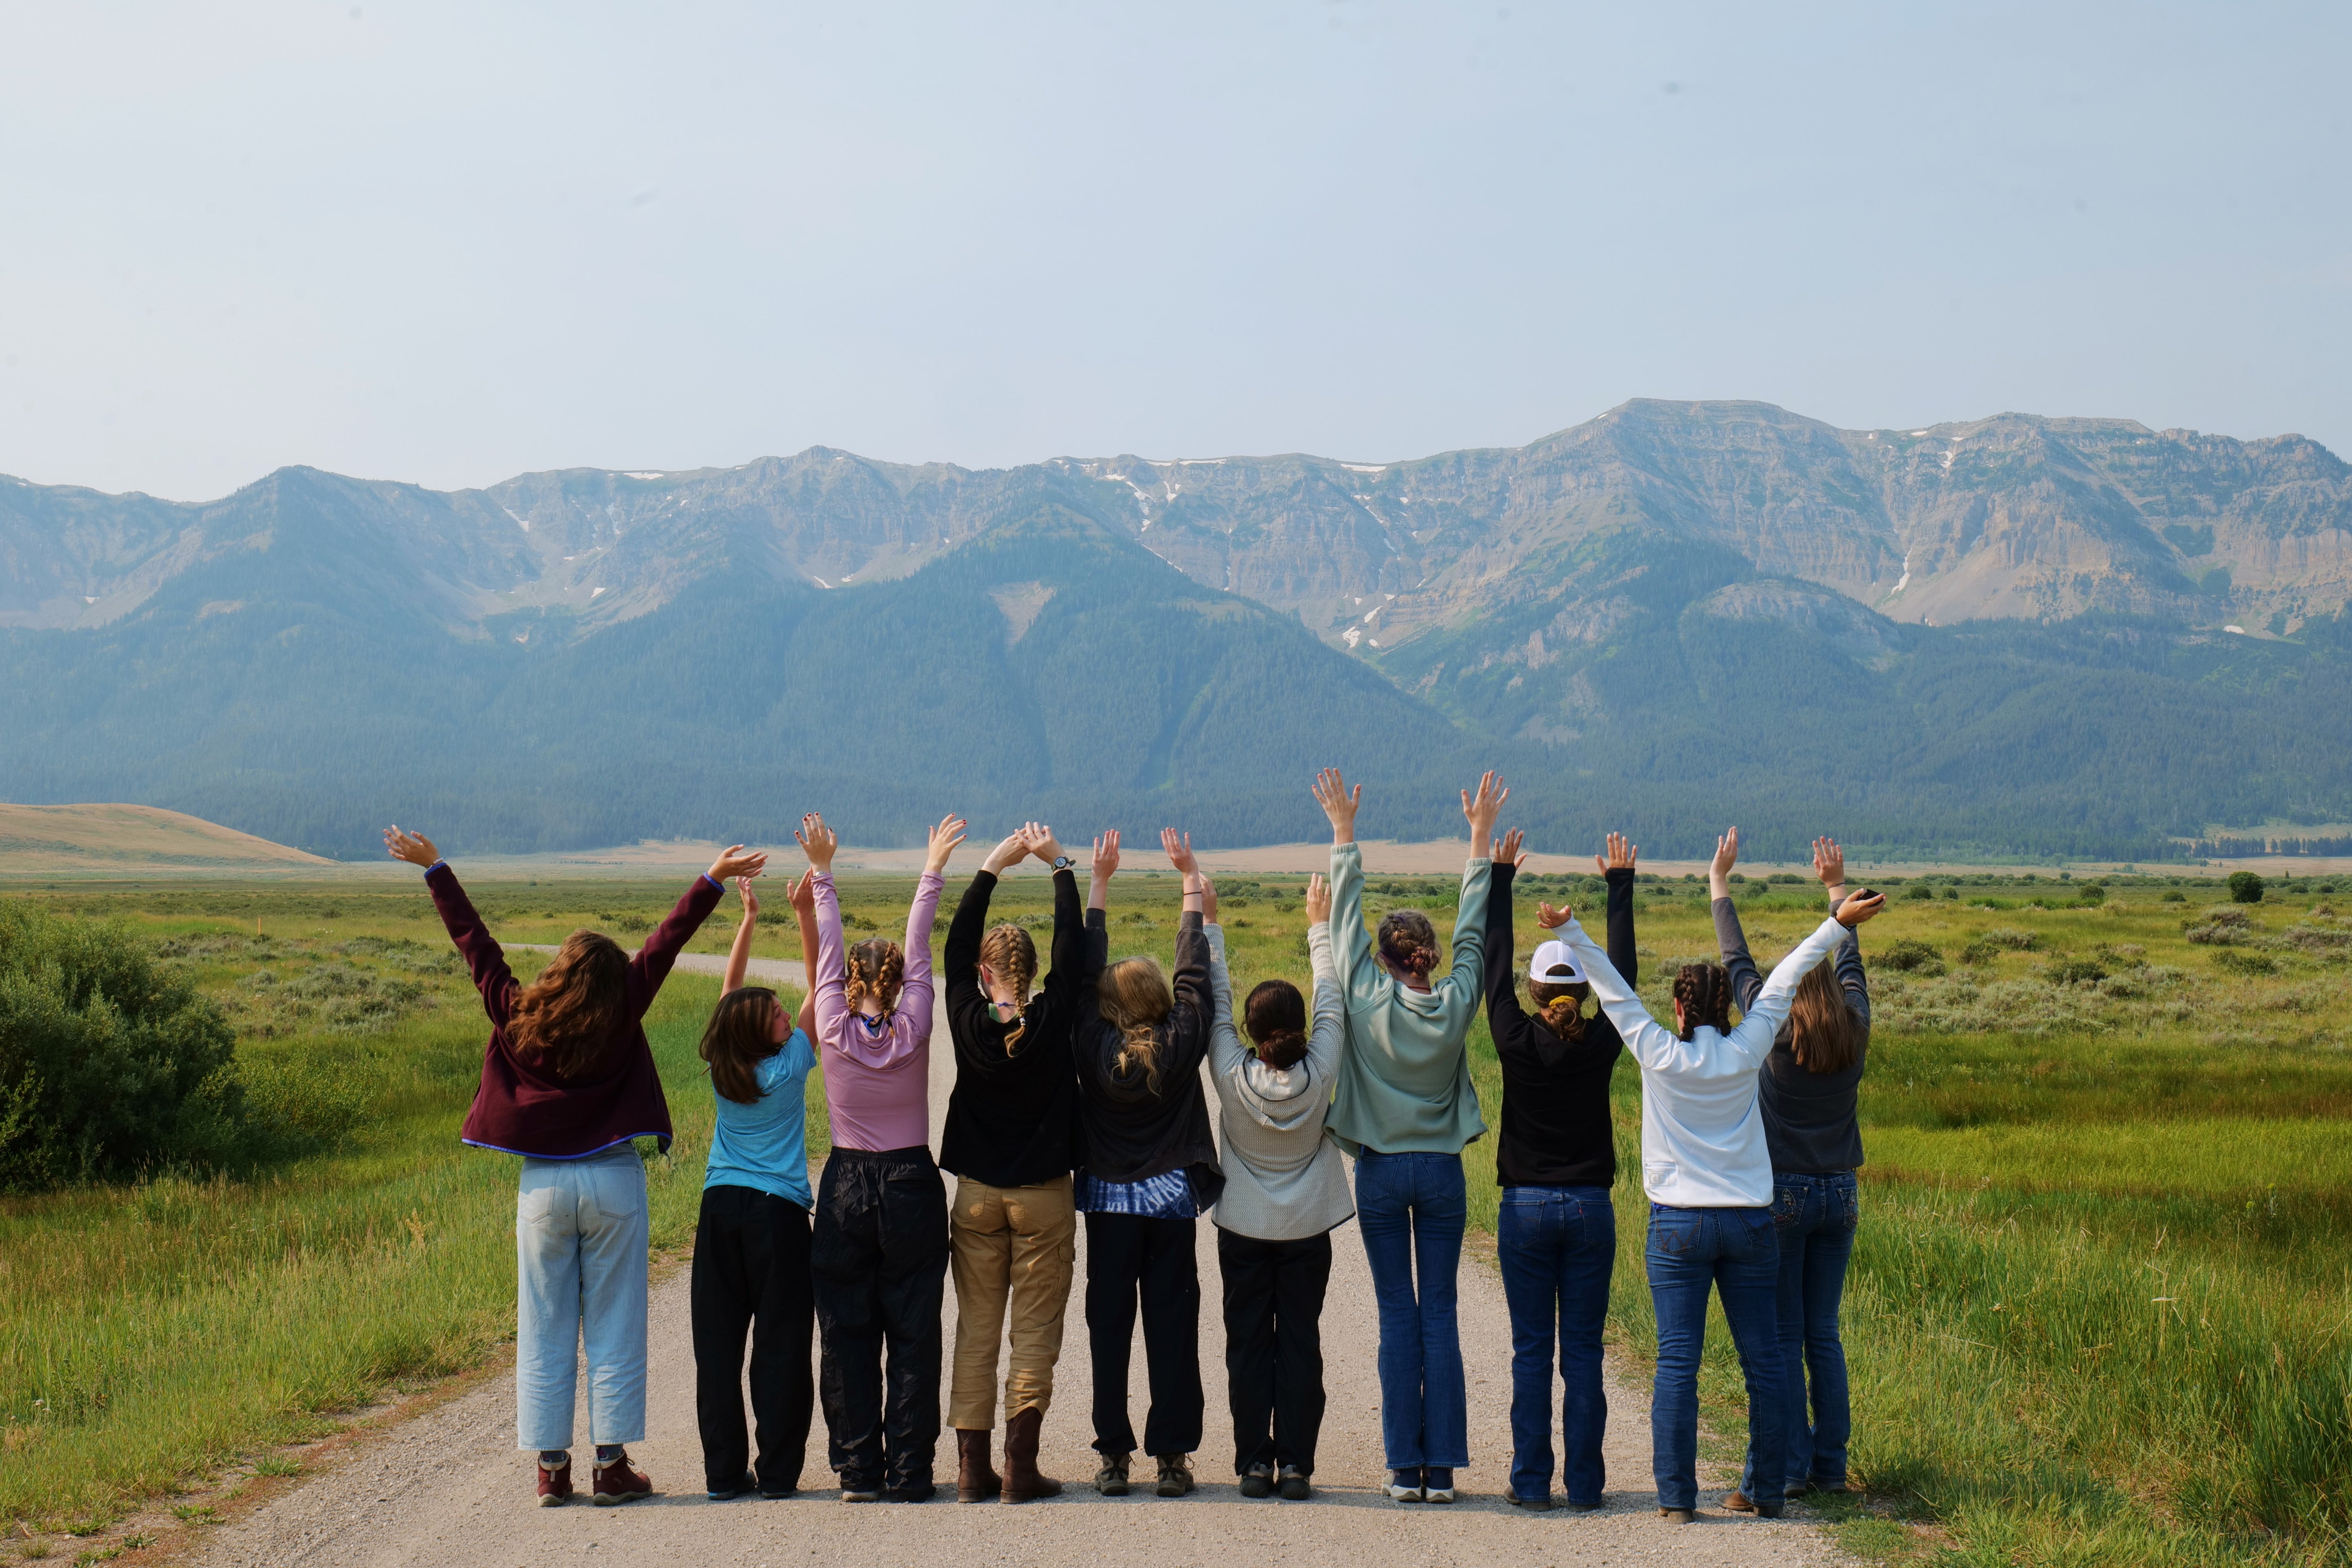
877,1071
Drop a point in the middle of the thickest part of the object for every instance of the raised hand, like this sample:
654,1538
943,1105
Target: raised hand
1620,857
1553,918
1506,851
1105,858
1009,850
818,841
1829,862
750,900
1484,808
1726,854
800,893
1179,848
1208,902
1318,900
1338,803
1860,906
943,841
1041,841
413,847
735,861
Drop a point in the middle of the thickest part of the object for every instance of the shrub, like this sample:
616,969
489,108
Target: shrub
2238,962
2091,893
1919,890
2173,896
2014,940
1951,892
2075,972
2221,927
109,1062
1910,956
1980,952
2245,888
2320,941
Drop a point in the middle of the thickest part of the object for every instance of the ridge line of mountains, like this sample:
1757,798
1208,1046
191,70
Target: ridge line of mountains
2005,636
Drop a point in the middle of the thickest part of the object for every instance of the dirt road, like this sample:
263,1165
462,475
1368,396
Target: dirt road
450,1488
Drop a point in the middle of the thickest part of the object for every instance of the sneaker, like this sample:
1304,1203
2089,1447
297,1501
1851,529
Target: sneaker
1257,1482
1679,1515
1534,1504
732,1489
1175,1475
860,1491
1111,1479
780,1490
1405,1486
913,1491
1436,1484
618,1482
1738,1502
1294,1485
555,1484
1575,1506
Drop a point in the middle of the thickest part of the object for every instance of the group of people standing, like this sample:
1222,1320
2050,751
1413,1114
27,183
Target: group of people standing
1084,1095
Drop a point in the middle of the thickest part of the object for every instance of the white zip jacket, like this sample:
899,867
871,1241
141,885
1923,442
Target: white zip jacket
1702,1135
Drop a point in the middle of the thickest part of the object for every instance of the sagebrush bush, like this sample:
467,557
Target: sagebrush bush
1910,956
2011,938
2238,962
109,1064
2220,927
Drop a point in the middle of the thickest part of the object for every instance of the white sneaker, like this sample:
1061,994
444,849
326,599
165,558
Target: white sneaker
1400,1490
1434,1490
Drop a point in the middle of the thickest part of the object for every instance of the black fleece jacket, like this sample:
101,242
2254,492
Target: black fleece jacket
1556,1131
1130,1130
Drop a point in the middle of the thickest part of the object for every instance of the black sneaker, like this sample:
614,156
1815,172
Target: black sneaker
1111,1479
1533,1504
727,1491
860,1491
913,1491
780,1490
1257,1482
1294,1485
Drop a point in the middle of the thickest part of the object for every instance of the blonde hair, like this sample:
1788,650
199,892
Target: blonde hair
874,968
1134,997
1826,1036
1007,950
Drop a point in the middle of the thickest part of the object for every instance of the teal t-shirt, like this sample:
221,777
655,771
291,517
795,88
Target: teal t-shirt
764,1146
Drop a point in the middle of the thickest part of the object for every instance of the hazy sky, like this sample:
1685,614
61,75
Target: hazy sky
449,243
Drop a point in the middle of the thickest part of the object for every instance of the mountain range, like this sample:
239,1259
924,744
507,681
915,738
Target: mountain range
2014,635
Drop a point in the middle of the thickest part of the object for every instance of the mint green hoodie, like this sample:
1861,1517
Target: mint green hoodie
1405,1079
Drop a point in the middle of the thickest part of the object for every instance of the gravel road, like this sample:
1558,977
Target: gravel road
450,1488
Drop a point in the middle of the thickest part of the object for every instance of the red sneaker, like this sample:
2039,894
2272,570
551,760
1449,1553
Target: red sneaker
620,1482
555,1485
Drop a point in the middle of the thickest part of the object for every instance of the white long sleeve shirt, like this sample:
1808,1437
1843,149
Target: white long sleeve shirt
1702,1135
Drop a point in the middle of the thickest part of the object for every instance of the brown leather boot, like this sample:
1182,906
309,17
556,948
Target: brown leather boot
976,1479
1022,1481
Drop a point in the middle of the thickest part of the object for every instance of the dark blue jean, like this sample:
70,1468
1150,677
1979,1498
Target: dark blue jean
1410,1209
1557,1247
1733,1252
1814,1216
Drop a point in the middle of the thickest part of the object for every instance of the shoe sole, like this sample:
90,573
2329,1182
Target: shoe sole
548,1499
1444,1497
1170,1491
1113,1489
861,1497
614,1499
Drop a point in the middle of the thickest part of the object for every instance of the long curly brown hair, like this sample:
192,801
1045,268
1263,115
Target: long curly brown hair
874,968
564,1020
1134,997
1561,1008
1008,951
739,1037
1705,991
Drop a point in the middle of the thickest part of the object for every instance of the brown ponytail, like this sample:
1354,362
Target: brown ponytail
1561,1008
1703,990
1009,953
874,968
1275,1019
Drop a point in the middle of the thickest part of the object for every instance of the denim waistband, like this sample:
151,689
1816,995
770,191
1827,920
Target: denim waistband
1528,1192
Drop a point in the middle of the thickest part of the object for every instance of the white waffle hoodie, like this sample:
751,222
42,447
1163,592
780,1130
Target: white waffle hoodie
1702,1134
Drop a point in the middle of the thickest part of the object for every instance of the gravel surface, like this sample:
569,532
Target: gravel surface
450,1488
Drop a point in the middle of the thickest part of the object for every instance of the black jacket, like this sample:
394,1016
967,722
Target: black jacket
1809,1122
1556,1128
1012,1115
1130,1132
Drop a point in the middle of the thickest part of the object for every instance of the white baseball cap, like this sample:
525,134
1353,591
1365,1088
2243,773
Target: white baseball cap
1553,964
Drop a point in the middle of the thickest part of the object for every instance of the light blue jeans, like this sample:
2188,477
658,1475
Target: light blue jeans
580,1272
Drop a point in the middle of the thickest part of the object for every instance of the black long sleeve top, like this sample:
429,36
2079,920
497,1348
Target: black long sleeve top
1808,1117
1012,1114
1130,1130
1556,1131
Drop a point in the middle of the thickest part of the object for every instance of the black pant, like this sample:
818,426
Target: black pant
752,1273
1128,1255
1274,1346
879,1261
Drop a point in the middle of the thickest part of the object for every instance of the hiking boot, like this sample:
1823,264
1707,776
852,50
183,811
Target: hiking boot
1738,1502
727,1491
1679,1515
976,1479
1257,1482
555,1483
1111,1479
618,1482
1436,1484
1022,1480
1405,1486
1295,1486
1175,1475
1534,1504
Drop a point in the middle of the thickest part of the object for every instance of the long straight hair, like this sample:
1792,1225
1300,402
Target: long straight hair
1134,997
739,1037
564,1019
1826,1036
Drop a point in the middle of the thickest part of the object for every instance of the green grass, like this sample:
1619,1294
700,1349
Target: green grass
2098,1311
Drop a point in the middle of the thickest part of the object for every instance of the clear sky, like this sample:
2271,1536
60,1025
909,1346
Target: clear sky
449,243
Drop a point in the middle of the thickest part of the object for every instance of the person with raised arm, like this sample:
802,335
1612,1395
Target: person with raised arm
568,1082
1708,1174
751,1237
879,1250
1807,1095
1148,1170
1011,1121
1285,1192
1555,1161
1406,1108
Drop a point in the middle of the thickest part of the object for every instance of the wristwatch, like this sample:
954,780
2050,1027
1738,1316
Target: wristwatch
1063,862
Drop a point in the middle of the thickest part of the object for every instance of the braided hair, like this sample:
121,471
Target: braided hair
1409,942
1703,991
1012,956
874,968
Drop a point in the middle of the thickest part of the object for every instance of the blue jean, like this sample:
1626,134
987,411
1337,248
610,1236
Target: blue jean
1558,1246
1410,1209
580,1268
1732,1251
1815,1217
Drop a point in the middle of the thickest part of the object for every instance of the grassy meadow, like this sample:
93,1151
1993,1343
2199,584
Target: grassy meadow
2101,1306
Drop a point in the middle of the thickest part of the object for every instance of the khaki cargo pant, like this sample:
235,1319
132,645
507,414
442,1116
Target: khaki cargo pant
1010,1245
